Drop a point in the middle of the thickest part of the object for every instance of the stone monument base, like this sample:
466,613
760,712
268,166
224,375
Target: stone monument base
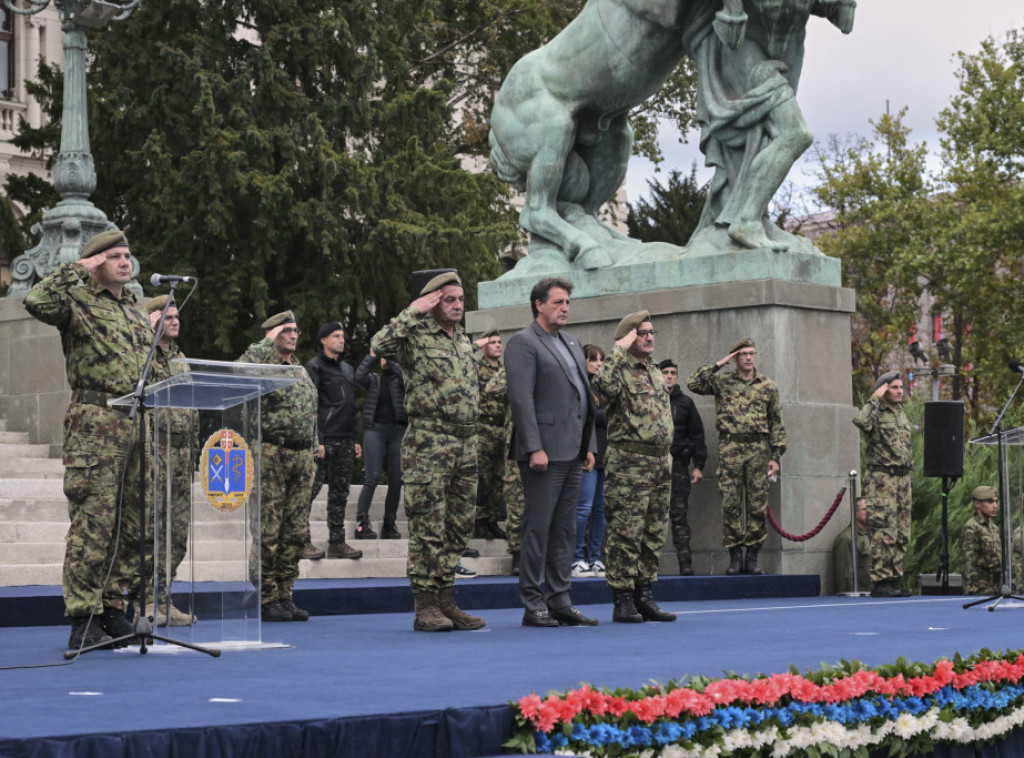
802,331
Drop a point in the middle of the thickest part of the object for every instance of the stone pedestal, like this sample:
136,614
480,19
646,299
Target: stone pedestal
802,332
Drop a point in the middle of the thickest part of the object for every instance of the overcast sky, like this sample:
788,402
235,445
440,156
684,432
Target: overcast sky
900,50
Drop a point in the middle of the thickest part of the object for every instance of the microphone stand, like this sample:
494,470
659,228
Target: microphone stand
143,627
1004,522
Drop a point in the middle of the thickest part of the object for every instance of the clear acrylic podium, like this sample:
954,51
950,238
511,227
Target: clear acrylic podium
204,513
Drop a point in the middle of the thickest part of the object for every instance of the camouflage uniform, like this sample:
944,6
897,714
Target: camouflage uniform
180,452
496,391
842,561
287,455
638,467
748,416
1017,559
105,342
980,557
491,445
887,486
439,448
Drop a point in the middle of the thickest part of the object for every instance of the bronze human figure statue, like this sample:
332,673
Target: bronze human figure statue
559,128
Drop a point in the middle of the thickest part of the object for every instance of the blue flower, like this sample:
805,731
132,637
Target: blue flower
668,733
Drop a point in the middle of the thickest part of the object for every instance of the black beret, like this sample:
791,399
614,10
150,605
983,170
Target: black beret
668,363
328,328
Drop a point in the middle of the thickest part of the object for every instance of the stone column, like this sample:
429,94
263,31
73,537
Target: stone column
802,332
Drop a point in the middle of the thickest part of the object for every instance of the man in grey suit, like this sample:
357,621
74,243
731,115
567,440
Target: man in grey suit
553,441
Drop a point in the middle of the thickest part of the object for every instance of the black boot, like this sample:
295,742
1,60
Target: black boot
750,564
116,625
363,529
515,563
735,561
497,533
480,531
685,562
389,531
625,611
643,599
86,632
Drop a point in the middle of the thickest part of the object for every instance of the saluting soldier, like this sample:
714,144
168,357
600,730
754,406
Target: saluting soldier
980,552
491,441
638,467
177,441
751,442
288,451
887,484
439,447
106,337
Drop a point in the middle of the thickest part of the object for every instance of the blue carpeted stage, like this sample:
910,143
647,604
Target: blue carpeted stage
367,685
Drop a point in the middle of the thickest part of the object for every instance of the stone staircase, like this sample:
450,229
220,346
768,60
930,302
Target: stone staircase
34,522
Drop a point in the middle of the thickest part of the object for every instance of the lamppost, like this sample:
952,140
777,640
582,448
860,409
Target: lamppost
74,220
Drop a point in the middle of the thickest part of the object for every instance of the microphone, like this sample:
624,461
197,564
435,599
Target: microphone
1015,365
159,279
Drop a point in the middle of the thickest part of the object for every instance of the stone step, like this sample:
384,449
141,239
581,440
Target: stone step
24,450
24,575
12,438
31,468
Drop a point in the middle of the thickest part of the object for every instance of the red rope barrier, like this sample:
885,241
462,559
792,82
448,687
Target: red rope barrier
815,530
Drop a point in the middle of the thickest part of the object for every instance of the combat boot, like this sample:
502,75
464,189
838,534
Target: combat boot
86,632
363,529
750,564
625,611
116,625
481,531
685,562
497,533
643,600
460,619
428,616
298,614
343,550
735,561
389,531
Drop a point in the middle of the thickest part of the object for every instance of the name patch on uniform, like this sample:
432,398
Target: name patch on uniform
226,468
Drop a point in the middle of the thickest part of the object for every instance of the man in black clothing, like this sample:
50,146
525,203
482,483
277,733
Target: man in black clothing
337,424
687,445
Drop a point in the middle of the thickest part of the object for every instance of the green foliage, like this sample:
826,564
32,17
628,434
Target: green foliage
884,226
671,212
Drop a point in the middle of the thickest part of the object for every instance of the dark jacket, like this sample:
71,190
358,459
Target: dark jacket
600,426
688,440
337,410
370,382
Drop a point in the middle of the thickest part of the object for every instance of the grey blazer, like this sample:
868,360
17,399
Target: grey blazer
544,400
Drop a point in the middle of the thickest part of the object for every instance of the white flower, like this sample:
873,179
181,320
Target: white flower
906,725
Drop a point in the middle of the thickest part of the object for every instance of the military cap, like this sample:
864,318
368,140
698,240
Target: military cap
328,328
886,378
490,333
157,303
985,493
448,277
285,317
667,363
630,322
745,342
102,242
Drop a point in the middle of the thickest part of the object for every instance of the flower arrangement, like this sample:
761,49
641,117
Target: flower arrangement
844,710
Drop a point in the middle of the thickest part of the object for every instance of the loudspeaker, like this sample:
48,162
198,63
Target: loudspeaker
420,279
944,439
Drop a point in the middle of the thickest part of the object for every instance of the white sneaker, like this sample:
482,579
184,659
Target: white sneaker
597,568
580,568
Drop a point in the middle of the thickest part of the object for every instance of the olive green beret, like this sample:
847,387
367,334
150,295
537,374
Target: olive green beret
157,303
448,277
102,242
985,493
886,378
285,317
630,322
745,342
490,333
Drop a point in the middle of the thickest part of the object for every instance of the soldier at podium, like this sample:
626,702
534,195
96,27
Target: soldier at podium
980,553
106,337
288,418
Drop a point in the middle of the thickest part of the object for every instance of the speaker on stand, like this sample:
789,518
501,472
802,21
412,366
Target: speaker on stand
944,457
